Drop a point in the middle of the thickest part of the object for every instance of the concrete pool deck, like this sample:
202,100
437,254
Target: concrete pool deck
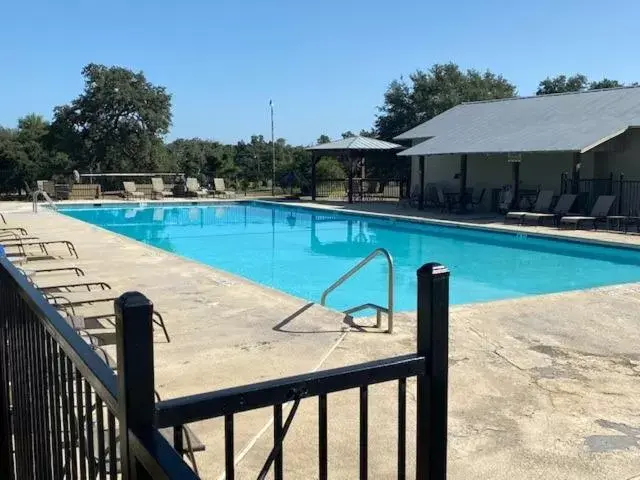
540,387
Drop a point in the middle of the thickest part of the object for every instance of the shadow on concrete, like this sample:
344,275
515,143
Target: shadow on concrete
348,321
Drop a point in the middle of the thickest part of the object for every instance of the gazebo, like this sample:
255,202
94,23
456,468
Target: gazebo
354,150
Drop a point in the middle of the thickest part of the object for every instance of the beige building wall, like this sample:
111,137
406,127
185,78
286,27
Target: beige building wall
544,169
620,155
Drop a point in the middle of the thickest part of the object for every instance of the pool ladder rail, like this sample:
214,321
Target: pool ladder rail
46,197
378,308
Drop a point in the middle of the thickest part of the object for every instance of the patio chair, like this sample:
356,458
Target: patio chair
158,189
130,191
565,202
478,200
372,190
194,189
542,205
413,200
221,189
599,211
440,200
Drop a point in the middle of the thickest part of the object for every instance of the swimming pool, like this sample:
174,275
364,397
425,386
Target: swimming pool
302,251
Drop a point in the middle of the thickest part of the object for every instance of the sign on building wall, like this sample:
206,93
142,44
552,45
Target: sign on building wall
514,158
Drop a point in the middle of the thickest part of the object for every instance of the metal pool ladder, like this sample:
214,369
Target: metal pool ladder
379,309
46,197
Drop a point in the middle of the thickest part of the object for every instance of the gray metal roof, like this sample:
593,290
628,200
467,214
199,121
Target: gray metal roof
565,122
357,143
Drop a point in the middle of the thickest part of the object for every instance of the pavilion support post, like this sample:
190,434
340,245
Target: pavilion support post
314,160
463,182
515,170
421,172
575,174
350,192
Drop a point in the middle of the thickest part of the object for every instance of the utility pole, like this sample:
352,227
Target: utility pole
273,154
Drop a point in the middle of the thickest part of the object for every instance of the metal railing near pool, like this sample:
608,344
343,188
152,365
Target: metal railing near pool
65,414
379,309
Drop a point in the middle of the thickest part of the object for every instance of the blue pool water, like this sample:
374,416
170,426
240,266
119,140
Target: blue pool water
302,251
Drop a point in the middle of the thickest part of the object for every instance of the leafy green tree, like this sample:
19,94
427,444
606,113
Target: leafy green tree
26,156
328,168
605,83
323,139
115,123
432,92
563,84
348,134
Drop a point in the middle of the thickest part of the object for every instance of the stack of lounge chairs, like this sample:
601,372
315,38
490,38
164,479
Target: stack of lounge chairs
85,302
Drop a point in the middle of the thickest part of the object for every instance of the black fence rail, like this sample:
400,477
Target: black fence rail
627,193
429,365
63,412
364,189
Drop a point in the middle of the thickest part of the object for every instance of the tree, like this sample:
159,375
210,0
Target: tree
433,92
398,112
328,168
323,139
115,123
605,83
575,83
563,84
26,156
348,134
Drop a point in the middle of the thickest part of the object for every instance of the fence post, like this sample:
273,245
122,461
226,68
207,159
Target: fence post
136,401
6,462
433,343
621,184
563,183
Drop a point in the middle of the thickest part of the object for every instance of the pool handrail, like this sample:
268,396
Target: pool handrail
379,309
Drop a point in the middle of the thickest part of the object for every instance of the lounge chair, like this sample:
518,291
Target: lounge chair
22,246
191,442
543,202
70,303
158,188
221,189
130,191
52,284
599,211
18,230
563,206
194,189
30,265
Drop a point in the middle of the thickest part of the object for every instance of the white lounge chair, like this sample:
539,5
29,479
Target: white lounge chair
221,189
130,191
158,188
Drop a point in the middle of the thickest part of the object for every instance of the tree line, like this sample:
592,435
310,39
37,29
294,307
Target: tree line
119,121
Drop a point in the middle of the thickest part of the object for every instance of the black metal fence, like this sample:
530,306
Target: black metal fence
627,193
429,365
63,411
364,189
65,414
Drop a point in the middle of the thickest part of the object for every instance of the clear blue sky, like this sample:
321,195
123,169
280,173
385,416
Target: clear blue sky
325,64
